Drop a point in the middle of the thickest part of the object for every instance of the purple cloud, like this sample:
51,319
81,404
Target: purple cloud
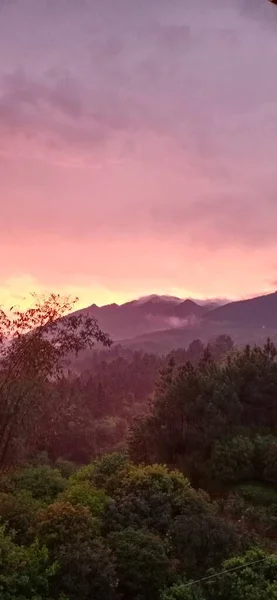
131,120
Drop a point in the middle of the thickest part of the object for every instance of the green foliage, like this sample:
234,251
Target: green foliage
62,523
66,467
201,541
190,411
197,407
270,471
119,530
245,458
86,571
142,565
42,482
18,512
25,573
110,433
40,459
6,484
249,577
151,497
90,414
253,519
104,473
233,460
158,531
84,494
258,494
85,564
256,581
183,591
33,346
265,459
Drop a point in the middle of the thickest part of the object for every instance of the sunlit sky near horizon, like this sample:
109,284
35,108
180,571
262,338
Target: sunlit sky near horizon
138,146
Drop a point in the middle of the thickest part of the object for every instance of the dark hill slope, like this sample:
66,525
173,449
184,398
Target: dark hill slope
260,311
143,316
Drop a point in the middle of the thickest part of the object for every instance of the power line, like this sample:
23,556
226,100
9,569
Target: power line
254,562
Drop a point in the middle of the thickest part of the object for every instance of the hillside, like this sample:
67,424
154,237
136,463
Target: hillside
78,521
161,342
161,323
145,315
260,311
186,501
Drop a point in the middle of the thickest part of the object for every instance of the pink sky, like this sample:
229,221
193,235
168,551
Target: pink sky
138,148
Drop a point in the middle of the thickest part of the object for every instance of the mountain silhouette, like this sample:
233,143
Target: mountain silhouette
153,313
162,323
260,311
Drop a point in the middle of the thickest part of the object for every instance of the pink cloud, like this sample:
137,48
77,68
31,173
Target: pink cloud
137,145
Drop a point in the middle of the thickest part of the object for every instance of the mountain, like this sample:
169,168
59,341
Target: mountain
162,323
162,342
145,315
259,312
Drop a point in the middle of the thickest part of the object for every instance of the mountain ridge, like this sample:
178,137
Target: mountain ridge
155,317
144,315
259,311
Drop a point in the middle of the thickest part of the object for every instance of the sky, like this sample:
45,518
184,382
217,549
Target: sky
138,148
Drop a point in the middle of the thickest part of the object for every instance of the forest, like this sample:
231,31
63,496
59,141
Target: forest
131,476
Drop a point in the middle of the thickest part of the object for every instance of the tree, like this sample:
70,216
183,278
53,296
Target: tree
105,473
61,523
195,351
151,497
220,347
249,577
201,541
142,565
183,591
86,571
43,483
34,346
233,460
196,406
270,470
66,467
18,512
25,573
84,494
85,565
191,408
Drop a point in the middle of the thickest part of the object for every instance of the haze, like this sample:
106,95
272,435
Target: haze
138,148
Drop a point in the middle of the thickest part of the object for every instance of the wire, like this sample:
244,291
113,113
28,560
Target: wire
254,562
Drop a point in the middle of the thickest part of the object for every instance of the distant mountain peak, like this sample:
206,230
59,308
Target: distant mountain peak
164,316
156,298
189,302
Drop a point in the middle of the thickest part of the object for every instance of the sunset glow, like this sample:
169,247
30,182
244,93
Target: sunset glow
138,148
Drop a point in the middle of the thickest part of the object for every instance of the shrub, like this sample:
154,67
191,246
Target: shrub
258,494
42,482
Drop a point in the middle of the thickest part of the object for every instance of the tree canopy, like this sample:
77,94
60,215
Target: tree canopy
201,411
34,347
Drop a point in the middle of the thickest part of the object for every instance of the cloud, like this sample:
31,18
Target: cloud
54,109
263,12
165,72
139,121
